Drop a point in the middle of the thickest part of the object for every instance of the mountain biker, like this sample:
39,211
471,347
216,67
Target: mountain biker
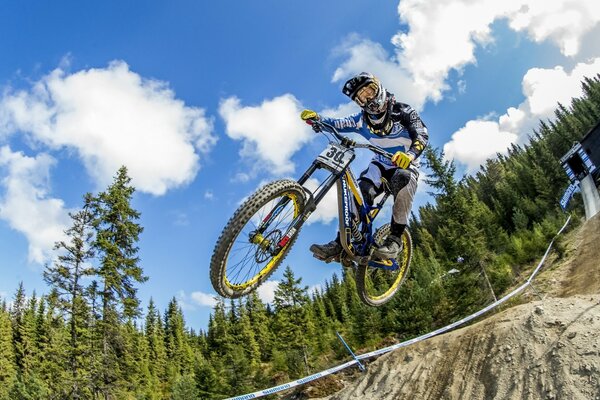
393,126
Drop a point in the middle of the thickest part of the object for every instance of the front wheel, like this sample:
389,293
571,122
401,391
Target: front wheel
251,247
377,284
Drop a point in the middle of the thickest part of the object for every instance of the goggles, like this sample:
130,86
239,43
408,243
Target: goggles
371,98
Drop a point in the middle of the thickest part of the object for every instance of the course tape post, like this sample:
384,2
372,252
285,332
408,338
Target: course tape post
384,350
362,367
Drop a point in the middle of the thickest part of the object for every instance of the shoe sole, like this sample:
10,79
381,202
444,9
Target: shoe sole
319,255
385,256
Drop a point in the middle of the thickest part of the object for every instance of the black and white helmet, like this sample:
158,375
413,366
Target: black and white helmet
367,91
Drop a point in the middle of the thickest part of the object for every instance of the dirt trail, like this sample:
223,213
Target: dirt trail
582,270
545,349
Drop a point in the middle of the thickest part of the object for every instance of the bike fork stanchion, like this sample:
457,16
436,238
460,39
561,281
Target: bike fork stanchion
362,367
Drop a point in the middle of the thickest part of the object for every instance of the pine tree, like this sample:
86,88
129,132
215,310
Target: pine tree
323,330
94,324
184,388
8,372
337,300
134,360
237,369
157,356
52,344
29,383
116,236
465,219
219,331
245,336
24,331
443,171
206,377
65,278
292,323
259,321
179,352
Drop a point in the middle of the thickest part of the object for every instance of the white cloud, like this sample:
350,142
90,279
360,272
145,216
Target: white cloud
179,218
266,291
543,89
437,42
209,195
365,55
184,302
327,210
443,36
270,133
190,302
242,177
477,141
563,22
112,117
204,299
341,111
26,204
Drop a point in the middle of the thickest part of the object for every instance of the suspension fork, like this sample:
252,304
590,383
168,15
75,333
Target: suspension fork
311,204
264,225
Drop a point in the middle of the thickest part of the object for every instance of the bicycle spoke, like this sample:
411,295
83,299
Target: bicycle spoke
246,259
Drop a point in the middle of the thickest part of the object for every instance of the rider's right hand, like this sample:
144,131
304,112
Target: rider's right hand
310,117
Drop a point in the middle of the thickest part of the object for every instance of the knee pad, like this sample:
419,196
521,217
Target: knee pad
400,179
368,191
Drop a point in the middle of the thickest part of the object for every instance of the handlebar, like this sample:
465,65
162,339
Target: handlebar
351,143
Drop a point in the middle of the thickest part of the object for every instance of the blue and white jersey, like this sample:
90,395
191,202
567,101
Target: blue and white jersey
407,134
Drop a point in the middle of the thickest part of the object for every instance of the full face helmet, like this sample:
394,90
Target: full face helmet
367,91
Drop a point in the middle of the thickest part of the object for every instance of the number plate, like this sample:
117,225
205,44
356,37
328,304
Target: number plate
336,157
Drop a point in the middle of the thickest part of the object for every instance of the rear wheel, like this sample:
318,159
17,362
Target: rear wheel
244,257
377,285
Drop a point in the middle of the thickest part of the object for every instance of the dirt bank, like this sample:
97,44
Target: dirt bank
545,349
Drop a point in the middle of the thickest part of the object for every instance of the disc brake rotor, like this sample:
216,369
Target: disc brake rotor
266,245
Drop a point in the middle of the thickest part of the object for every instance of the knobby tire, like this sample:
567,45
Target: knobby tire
241,218
364,271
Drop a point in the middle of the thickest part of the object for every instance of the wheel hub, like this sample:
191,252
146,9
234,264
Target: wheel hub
266,245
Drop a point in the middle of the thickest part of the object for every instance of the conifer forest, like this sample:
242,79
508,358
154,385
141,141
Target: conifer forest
89,337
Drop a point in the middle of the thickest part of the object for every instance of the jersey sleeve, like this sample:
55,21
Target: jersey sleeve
414,125
351,123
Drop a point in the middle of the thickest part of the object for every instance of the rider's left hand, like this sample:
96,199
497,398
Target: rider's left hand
402,160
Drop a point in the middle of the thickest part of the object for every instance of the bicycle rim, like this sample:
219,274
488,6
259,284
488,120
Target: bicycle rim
250,256
379,285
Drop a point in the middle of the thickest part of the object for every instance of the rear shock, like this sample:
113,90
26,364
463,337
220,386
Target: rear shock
356,234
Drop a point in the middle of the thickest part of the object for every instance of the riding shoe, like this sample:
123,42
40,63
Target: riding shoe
327,251
391,247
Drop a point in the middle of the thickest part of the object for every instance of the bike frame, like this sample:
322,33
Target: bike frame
356,236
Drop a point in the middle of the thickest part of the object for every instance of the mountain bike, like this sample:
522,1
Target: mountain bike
264,228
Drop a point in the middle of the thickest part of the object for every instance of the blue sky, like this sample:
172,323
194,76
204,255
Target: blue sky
201,101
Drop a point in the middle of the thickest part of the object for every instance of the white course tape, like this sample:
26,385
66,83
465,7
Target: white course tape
295,383
379,352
